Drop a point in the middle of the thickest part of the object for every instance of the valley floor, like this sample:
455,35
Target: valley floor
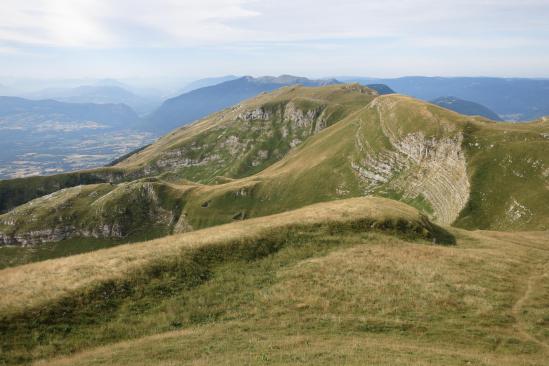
325,296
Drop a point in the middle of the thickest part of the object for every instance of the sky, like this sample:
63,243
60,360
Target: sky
128,39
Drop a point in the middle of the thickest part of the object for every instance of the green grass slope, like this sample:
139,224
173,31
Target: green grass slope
460,170
509,174
235,142
463,170
14,192
103,210
346,282
250,136
368,213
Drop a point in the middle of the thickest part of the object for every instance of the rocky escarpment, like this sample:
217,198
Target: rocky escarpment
15,192
249,138
96,211
144,208
60,233
415,167
258,113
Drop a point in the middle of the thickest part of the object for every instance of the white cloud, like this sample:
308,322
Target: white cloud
174,23
200,37
107,23
53,22
9,50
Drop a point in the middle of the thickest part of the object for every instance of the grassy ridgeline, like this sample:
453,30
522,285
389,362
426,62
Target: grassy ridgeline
14,192
322,295
50,317
81,271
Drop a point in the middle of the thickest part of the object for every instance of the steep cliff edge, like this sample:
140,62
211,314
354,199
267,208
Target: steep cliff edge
422,164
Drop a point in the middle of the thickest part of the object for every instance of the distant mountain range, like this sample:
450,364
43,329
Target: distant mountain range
98,94
202,83
466,107
199,103
513,99
17,113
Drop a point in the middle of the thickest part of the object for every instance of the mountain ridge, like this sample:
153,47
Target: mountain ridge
513,99
199,103
99,93
239,163
209,81
332,213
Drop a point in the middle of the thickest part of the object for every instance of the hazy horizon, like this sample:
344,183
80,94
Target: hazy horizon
166,39
175,84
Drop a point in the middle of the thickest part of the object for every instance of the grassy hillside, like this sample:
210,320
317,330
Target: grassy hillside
250,136
200,102
351,281
360,213
312,226
465,170
15,192
236,142
299,146
96,210
509,176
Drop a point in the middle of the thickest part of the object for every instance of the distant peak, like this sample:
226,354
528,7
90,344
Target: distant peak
449,99
466,107
287,79
381,89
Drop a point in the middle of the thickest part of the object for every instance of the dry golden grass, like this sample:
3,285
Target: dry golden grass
382,301
335,296
234,344
34,284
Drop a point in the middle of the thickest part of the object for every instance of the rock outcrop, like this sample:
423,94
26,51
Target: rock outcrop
416,167
98,211
244,129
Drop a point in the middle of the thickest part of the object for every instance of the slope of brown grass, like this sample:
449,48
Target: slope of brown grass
378,300
34,284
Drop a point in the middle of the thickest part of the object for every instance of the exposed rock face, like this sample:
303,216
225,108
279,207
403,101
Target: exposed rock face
59,233
35,237
301,118
258,113
179,158
112,212
417,167
516,211
244,128
298,117
182,225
